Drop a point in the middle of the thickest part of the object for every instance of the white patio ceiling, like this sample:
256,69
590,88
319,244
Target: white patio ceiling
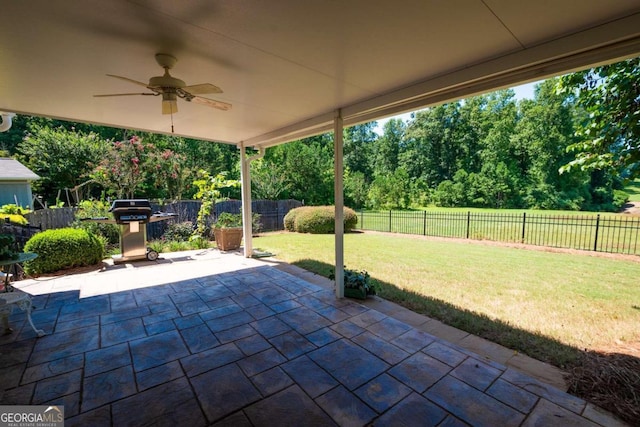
288,65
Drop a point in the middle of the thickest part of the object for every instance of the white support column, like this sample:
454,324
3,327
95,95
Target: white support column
245,177
247,214
338,189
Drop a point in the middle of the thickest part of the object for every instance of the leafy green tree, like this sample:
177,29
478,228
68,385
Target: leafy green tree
356,189
128,165
359,143
386,149
210,192
308,165
609,132
169,173
62,158
541,137
267,181
431,149
390,191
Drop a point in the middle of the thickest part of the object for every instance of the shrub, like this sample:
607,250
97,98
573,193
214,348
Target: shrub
156,245
13,209
7,242
14,219
318,219
620,198
290,218
63,248
97,209
175,246
179,232
354,279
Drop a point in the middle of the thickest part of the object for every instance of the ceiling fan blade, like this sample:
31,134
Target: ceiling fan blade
211,103
124,94
126,79
202,88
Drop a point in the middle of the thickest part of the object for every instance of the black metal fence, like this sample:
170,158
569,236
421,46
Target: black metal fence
603,233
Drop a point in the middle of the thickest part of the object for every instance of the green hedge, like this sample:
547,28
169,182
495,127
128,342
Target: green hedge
318,219
63,248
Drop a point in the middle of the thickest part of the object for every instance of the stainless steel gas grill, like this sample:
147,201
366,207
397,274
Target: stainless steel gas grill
133,215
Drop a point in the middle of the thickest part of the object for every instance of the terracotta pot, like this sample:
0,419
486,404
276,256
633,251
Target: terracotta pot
228,239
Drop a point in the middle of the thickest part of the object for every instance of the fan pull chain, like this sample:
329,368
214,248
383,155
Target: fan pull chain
171,106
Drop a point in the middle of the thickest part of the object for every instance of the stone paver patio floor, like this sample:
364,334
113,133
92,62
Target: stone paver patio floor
239,342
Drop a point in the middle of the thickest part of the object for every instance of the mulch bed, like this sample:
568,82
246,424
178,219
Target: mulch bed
610,381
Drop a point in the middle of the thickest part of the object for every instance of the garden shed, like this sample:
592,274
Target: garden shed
15,183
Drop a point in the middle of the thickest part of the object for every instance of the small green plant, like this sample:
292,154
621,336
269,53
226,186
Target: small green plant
63,248
156,245
177,246
228,220
13,209
97,209
209,191
14,219
7,242
180,232
199,242
14,213
359,280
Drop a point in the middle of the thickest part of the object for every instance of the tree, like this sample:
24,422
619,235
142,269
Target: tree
63,158
543,133
359,141
209,191
609,132
168,173
308,167
129,164
267,181
431,149
386,149
390,191
356,189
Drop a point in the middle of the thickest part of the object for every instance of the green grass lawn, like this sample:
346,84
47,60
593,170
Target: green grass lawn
633,190
546,304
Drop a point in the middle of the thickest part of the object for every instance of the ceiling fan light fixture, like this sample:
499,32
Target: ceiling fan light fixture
169,103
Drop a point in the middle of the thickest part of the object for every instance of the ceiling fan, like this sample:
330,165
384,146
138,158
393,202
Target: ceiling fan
171,88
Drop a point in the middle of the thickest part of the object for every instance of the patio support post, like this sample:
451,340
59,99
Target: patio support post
338,172
245,177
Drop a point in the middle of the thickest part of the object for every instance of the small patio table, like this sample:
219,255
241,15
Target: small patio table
8,298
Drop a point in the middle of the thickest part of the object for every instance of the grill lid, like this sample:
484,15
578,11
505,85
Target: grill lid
131,210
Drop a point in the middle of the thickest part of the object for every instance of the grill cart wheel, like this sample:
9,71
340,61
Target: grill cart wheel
152,255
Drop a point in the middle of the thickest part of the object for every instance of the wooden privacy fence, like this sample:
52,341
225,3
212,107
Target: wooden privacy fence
603,233
271,213
48,219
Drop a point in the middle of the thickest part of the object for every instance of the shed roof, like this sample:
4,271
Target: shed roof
13,170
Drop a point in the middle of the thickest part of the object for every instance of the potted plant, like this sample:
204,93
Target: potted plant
6,247
228,231
357,284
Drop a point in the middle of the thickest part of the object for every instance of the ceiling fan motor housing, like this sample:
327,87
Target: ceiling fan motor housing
166,81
